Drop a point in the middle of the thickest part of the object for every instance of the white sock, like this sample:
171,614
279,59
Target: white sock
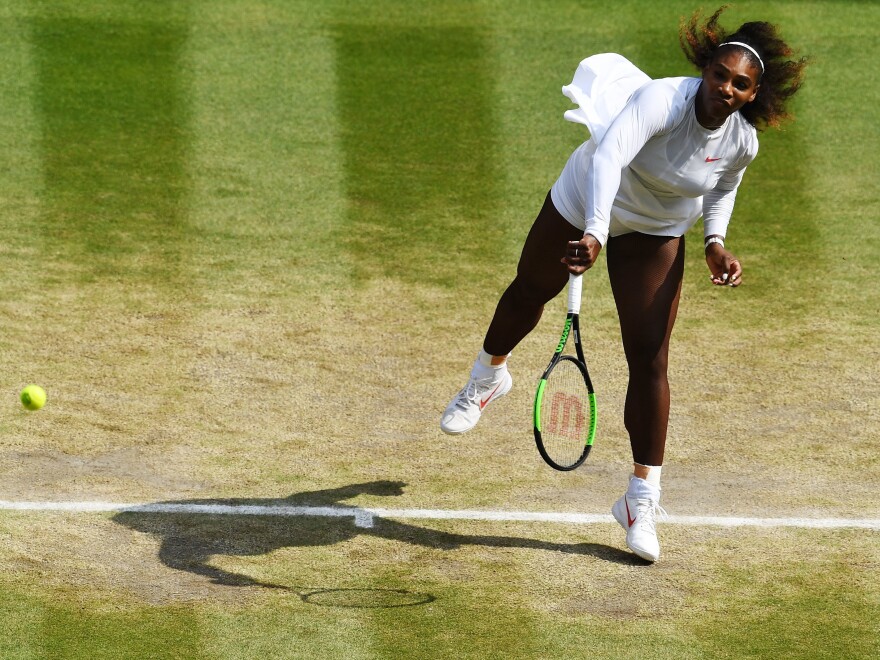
651,472
484,369
642,489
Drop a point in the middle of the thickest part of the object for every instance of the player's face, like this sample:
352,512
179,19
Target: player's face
729,82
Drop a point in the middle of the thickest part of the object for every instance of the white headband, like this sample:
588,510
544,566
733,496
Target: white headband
747,47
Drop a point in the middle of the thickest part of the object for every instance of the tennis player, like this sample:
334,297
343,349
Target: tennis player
661,154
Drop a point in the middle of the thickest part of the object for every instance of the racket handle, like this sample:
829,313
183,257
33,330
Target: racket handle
575,283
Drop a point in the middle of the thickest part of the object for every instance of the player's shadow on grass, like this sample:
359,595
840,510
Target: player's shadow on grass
194,531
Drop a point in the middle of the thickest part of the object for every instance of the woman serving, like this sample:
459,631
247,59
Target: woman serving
661,154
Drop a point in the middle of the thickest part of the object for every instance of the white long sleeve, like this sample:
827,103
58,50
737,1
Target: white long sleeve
718,202
646,115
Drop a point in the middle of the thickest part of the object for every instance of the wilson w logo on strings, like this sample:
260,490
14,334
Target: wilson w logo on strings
566,415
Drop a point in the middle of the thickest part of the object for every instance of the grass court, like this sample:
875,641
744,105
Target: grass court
250,249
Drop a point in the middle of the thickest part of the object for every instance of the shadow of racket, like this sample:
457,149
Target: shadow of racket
353,597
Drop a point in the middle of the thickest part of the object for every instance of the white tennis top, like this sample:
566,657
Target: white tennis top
649,166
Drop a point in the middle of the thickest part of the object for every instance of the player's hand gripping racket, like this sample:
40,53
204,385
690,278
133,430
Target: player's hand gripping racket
565,404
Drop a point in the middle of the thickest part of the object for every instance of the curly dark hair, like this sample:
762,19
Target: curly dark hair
782,76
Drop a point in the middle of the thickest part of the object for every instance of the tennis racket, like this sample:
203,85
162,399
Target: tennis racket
565,404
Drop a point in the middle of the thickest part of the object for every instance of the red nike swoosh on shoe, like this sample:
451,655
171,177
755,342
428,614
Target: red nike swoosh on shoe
711,160
629,520
485,402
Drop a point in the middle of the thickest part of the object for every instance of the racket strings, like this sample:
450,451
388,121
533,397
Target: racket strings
565,414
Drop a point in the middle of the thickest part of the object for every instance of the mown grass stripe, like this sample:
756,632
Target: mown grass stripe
417,131
112,106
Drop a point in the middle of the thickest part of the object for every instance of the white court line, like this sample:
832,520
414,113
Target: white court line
363,517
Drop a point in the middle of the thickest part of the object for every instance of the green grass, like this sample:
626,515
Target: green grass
417,133
45,627
498,590
113,146
238,234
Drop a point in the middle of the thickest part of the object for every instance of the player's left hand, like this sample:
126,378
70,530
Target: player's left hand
725,269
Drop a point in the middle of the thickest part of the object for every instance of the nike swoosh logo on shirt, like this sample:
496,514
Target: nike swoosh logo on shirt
629,520
484,402
711,160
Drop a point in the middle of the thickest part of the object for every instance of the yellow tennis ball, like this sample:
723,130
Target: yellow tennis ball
33,397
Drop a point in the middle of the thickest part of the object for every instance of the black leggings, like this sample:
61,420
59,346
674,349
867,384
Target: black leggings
646,274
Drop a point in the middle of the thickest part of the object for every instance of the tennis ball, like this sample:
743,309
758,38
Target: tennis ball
33,397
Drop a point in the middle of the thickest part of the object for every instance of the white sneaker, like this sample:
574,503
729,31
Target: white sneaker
636,512
463,412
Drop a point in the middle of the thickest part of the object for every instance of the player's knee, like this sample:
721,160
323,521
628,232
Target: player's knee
647,360
529,292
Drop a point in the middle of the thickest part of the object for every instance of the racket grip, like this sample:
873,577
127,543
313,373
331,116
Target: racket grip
575,283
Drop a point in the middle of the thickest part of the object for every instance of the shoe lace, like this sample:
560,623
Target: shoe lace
648,512
468,395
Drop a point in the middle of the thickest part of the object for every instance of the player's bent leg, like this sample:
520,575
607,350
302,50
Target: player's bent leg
487,382
540,277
